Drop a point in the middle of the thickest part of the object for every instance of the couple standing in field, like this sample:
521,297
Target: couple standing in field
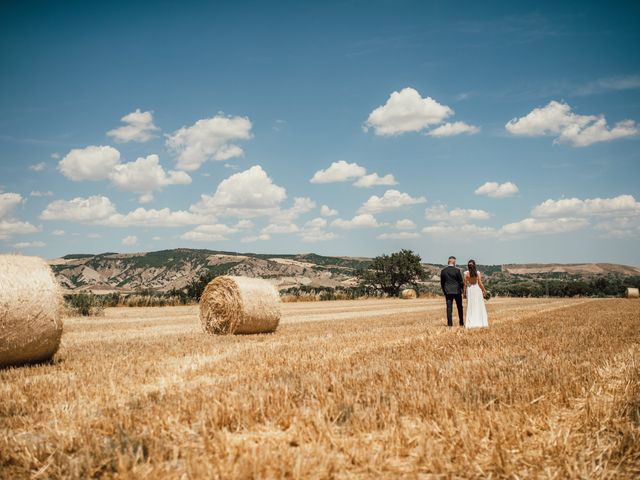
454,286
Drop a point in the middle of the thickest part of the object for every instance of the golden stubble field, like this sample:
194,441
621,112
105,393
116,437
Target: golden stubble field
360,389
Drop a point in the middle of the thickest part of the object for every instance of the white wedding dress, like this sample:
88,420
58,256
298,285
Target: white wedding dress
476,310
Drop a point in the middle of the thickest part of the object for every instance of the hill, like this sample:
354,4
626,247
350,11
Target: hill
168,269
165,270
572,269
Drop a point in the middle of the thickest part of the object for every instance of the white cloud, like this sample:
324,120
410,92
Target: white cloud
620,227
8,203
374,179
557,119
451,129
469,214
497,190
312,236
244,225
528,226
398,236
301,205
544,226
58,233
130,240
609,84
94,235
574,207
313,231
339,171
406,111
280,228
326,211
29,245
440,213
621,218
209,139
37,193
209,233
316,223
164,217
462,231
82,210
246,194
99,210
142,176
90,163
365,220
55,155
139,128
278,125
255,238
405,224
38,167
145,176
342,171
391,200
9,225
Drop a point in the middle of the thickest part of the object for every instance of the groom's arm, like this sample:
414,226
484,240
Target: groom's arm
460,281
442,280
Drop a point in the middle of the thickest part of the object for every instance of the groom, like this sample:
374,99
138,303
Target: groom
452,287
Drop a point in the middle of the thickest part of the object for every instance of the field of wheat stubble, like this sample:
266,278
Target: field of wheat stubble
348,389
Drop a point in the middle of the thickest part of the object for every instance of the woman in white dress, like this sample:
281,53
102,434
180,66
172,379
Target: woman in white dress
474,291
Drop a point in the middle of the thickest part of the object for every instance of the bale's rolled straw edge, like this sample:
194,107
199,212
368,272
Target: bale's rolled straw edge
239,305
633,293
31,308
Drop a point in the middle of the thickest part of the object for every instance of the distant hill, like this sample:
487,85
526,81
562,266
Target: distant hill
168,269
165,270
571,268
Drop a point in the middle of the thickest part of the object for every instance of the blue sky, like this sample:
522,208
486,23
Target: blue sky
506,132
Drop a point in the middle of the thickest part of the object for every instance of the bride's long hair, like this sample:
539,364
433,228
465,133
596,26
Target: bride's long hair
473,270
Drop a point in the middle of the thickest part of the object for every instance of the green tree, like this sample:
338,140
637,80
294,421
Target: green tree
389,273
196,287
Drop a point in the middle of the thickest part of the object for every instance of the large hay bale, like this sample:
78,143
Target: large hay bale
633,293
239,305
31,308
408,294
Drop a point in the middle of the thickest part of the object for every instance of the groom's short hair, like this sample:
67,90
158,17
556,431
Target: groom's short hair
451,258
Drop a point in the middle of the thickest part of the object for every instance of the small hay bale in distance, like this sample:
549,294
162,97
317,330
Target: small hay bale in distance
31,307
239,305
408,294
632,293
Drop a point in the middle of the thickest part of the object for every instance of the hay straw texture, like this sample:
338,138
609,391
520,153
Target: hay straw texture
30,311
239,305
633,293
408,294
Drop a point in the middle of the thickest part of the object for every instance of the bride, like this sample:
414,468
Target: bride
474,291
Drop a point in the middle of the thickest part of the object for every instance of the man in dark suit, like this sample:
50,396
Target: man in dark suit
452,287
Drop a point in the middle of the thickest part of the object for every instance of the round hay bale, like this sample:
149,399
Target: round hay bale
633,293
239,305
31,308
408,294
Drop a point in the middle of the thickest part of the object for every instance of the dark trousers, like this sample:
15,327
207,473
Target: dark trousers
458,299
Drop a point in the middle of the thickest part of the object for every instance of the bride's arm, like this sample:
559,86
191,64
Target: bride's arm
484,290
464,291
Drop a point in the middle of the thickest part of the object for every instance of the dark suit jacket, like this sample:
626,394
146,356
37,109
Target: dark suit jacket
451,281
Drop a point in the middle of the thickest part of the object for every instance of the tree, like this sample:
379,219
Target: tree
389,273
196,287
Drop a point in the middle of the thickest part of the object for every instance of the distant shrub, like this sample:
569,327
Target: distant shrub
84,304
